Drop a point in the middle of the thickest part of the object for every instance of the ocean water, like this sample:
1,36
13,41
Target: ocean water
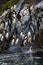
20,59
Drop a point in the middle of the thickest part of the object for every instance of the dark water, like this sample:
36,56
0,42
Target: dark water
20,59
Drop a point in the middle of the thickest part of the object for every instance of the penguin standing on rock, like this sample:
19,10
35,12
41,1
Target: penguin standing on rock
29,38
17,42
13,42
22,38
1,26
2,38
7,35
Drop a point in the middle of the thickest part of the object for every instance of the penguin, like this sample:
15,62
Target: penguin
6,24
17,41
0,35
12,42
2,38
25,42
29,34
7,35
2,26
22,35
29,37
